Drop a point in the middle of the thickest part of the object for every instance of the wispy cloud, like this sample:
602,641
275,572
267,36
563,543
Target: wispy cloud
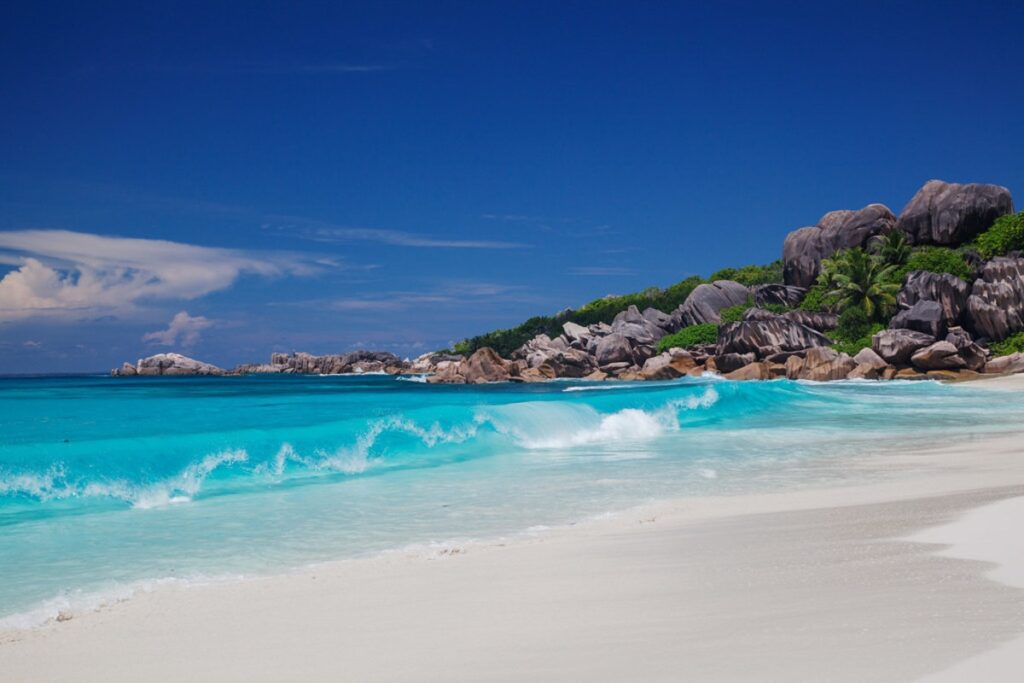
183,330
322,232
601,270
454,293
75,275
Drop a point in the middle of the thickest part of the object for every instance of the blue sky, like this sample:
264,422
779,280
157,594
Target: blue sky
229,179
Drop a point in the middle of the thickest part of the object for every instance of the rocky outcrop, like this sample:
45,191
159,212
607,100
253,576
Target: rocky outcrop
975,356
820,364
1005,364
777,295
167,364
633,324
951,214
706,301
995,308
948,291
766,336
869,358
614,348
301,363
896,346
923,316
485,365
804,249
668,365
822,322
941,355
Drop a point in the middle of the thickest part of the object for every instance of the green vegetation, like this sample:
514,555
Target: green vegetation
690,336
751,275
1005,235
862,281
893,249
734,314
1011,344
854,331
941,260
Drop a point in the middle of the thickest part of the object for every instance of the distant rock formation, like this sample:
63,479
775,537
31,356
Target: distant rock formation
167,364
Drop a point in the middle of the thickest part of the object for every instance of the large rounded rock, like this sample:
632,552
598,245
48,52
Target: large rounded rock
923,316
897,346
485,365
613,348
941,355
995,308
804,249
175,364
706,302
633,325
951,214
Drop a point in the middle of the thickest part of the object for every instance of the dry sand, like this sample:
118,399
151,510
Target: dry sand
864,583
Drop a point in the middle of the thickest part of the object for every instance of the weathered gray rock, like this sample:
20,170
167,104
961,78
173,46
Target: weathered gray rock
804,249
949,291
661,319
951,214
822,322
632,324
614,348
995,308
168,364
1005,364
923,316
558,356
974,355
825,364
941,355
126,370
777,295
576,333
333,364
767,337
896,346
707,300
868,357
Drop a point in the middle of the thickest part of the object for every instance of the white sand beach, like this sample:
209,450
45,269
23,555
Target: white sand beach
918,576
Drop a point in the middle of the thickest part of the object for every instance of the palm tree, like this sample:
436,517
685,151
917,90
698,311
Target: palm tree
863,280
893,248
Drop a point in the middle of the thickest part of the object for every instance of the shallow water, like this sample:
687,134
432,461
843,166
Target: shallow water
107,483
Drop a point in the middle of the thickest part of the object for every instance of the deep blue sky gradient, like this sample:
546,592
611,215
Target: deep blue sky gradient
621,144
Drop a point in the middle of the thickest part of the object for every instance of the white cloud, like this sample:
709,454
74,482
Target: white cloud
183,329
64,274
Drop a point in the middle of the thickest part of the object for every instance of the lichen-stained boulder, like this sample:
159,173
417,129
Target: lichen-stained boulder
995,308
768,336
706,301
896,346
941,355
923,316
948,291
951,214
777,295
804,249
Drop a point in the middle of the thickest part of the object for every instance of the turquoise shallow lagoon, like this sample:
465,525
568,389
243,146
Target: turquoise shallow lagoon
108,484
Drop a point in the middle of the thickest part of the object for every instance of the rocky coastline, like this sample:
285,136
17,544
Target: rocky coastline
941,328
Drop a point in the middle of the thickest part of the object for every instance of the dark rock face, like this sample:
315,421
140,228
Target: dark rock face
633,325
662,320
767,337
804,249
896,346
951,214
924,316
825,364
941,355
777,295
995,308
706,301
730,362
949,291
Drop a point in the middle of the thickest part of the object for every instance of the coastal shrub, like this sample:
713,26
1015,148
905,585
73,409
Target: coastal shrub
1005,235
853,324
693,335
854,345
818,298
941,260
1011,344
734,314
893,249
751,275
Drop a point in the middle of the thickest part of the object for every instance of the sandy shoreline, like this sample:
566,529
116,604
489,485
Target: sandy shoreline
804,585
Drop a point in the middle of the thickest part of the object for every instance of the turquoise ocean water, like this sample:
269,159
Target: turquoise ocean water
107,485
